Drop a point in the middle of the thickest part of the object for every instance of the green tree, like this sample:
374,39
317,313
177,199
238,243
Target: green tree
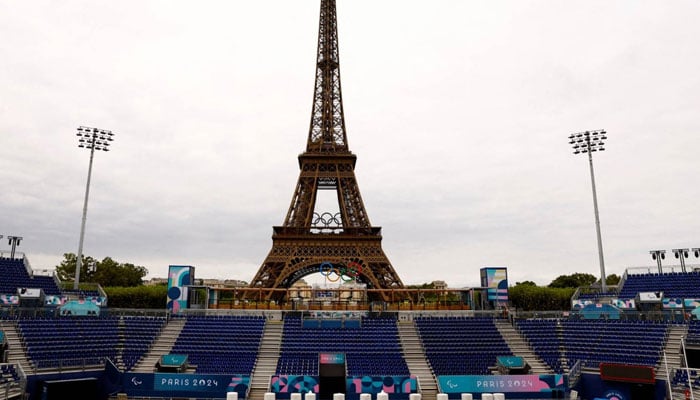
573,281
527,283
536,298
66,270
107,272
152,297
612,279
428,297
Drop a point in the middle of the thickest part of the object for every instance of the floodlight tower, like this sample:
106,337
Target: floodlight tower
658,255
681,254
589,142
93,139
14,242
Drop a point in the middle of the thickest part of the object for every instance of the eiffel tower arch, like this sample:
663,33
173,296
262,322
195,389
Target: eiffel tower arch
311,240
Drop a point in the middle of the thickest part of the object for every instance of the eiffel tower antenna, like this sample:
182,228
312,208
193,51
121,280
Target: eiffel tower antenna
309,241
327,132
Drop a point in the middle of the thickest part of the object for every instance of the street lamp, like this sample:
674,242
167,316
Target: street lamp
14,242
658,255
589,142
93,139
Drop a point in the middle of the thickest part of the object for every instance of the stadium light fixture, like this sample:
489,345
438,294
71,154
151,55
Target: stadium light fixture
92,139
658,255
589,142
681,254
695,250
14,242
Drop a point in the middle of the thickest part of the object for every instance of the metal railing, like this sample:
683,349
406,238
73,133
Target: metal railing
7,253
642,270
575,373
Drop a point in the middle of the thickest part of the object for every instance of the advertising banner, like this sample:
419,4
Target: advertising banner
495,279
502,383
179,277
331,358
184,385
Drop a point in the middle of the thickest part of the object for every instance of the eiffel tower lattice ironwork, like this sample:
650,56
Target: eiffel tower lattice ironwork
311,241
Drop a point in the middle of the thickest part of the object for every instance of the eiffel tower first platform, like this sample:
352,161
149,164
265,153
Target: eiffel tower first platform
344,245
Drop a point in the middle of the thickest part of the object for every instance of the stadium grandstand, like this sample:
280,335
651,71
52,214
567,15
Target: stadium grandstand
366,338
632,340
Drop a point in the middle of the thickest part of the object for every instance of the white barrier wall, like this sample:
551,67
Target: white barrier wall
309,396
269,396
231,395
365,396
442,396
295,396
467,396
414,396
338,396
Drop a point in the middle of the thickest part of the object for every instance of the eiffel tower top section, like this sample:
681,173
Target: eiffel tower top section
327,131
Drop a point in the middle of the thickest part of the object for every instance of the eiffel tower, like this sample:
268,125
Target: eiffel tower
344,243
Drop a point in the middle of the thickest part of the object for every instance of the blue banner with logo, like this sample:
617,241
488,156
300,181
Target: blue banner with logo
184,385
190,382
502,383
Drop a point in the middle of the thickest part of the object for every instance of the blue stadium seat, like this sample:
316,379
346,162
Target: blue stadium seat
372,348
461,346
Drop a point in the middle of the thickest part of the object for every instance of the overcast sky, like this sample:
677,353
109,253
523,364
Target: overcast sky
459,112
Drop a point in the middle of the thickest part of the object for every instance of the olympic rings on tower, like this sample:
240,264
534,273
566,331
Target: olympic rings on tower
335,273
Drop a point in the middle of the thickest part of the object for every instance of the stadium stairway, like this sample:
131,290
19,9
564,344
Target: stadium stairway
563,360
9,387
15,352
672,349
520,347
119,360
161,346
414,354
268,356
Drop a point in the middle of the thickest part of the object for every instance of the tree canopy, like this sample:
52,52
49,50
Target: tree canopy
107,272
612,279
529,297
573,281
